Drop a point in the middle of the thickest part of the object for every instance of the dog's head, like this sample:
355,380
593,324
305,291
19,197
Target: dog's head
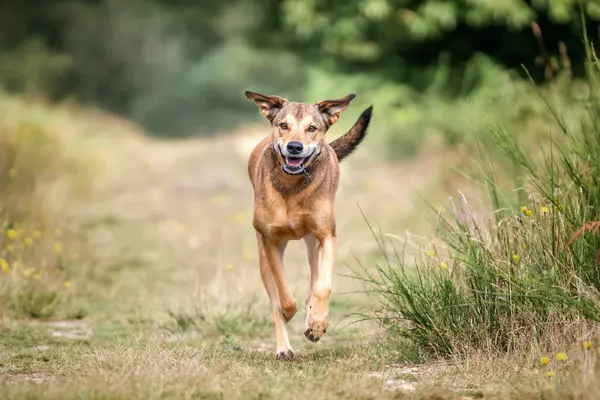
298,129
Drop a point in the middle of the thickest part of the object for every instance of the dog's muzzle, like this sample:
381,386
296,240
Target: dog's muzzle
294,165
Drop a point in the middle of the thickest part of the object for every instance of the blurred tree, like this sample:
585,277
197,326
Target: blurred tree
32,56
402,37
180,67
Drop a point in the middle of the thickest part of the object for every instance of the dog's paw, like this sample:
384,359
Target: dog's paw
284,355
289,311
316,329
309,335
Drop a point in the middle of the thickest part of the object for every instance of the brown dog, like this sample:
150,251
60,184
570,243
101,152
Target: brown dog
295,174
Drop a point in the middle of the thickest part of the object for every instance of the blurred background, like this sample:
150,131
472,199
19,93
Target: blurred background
125,205
179,68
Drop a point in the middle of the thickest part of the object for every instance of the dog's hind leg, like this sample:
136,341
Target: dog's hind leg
313,252
284,348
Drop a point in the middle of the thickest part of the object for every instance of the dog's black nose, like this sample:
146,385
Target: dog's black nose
295,147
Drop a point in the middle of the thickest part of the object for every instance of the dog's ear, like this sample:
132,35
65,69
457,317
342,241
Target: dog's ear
269,105
331,109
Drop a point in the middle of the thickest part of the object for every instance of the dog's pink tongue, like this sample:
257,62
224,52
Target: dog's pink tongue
293,162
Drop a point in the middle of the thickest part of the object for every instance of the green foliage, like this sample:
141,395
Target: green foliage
525,269
382,34
175,68
31,68
407,117
180,68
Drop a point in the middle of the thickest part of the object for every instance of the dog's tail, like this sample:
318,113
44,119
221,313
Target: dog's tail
345,144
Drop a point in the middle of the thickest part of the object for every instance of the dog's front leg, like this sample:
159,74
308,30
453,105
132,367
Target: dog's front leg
274,250
318,312
284,348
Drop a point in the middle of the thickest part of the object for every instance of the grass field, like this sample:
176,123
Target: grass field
148,284
164,299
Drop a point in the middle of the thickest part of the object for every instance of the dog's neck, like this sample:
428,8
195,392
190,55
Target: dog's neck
288,184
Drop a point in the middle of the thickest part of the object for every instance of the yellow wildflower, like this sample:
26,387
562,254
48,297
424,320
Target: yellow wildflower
550,374
12,173
4,265
443,265
27,273
229,266
430,253
528,212
524,245
58,248
37,276
587,344
11,233
562,356
37,234
544,210
10,248
524,209
544,360
28,241
67,284
515,258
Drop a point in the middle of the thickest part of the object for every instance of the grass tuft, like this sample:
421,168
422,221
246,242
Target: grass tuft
517,273
229,320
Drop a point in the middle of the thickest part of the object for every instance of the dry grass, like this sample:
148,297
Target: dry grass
166,291
166,301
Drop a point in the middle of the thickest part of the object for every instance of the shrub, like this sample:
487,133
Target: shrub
520,274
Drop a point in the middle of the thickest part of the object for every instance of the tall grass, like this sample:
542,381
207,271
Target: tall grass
523,269
35,259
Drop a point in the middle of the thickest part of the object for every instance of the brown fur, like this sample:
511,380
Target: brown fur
344,145
292,207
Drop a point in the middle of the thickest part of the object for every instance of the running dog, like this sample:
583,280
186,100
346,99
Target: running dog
294,173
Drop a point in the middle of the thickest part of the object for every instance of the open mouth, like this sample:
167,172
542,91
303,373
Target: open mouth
295,165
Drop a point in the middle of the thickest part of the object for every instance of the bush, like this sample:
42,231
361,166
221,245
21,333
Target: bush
520,274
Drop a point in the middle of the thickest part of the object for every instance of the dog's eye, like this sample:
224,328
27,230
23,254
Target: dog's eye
283,125
312,128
